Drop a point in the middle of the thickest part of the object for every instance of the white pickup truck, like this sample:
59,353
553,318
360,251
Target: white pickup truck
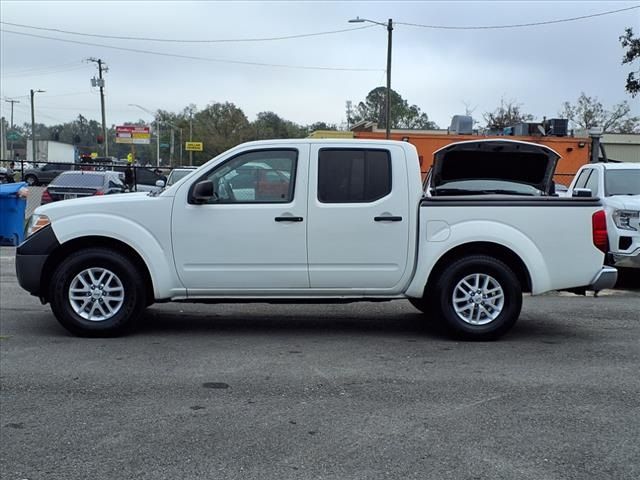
618,187
318,221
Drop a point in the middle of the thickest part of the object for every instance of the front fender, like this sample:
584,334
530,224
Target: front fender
155,250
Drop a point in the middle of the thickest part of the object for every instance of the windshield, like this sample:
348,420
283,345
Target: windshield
622,182
483,186
80,180
176,175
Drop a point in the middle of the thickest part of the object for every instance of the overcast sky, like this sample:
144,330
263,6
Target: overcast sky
438,70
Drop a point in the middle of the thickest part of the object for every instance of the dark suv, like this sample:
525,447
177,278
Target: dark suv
44,174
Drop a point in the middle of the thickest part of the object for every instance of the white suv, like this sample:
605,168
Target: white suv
618,186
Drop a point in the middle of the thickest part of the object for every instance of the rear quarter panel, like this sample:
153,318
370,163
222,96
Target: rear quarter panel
553,238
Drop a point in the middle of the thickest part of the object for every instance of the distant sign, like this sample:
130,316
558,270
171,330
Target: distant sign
13,136
193,146
133,134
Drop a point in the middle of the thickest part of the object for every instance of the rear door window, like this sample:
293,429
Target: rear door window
353,175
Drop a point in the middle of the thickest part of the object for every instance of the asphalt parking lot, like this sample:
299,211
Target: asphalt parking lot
320,391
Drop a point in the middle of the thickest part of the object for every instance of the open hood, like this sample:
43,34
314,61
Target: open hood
503,160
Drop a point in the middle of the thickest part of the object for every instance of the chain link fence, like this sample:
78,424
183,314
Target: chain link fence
55,181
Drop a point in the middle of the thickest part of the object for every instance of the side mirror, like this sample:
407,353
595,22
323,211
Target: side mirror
203,191
160,183
581,193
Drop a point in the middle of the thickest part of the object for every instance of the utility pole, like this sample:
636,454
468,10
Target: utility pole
8,100
100,83
33,126
190,136
387,105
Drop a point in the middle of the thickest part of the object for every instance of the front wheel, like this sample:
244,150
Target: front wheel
31,180
97,292
479,298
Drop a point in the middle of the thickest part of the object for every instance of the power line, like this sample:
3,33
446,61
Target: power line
175,40
517,25
44,72
43,67
191,57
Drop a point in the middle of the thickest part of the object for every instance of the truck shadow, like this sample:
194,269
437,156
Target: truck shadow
413,325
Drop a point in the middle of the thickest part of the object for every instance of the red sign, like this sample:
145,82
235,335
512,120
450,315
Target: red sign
133,134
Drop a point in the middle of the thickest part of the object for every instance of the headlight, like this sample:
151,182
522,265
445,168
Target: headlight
36,222
622,218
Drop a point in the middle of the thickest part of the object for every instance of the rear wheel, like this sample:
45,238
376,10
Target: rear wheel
478,298
97,292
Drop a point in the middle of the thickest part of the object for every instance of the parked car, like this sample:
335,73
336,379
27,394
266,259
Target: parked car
7,175
618,186
146,179
340,220
78,184
43,174
178,174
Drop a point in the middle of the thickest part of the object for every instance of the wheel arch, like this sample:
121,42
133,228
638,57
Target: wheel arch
64,250
495,250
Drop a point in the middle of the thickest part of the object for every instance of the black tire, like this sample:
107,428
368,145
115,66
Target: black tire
102,258
485,328
31,180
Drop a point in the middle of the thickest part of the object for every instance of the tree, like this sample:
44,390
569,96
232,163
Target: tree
402,115
321,126
588,112
270,125
509,113
631,55
219,126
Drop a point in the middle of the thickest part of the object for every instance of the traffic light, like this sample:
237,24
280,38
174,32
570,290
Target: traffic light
100,139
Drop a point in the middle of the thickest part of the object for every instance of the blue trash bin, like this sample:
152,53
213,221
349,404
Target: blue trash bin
12,210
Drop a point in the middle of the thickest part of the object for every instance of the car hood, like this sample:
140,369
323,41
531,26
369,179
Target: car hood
505,160
623,202
123,202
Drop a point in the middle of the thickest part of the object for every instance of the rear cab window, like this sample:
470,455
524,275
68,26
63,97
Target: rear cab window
353,175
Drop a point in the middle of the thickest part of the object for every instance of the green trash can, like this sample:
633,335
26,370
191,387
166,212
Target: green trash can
12,208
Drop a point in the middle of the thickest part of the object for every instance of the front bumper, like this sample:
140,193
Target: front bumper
606,278
31,257
630,260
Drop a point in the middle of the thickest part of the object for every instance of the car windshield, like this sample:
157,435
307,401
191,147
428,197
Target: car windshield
484,186
79,180
622,182
177,175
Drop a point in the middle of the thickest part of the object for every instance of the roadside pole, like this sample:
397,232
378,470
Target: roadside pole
190,137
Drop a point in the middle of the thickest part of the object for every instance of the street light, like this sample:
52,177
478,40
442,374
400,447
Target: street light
157,129
33,125
389,26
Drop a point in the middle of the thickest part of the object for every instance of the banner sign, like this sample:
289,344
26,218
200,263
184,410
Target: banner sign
133,134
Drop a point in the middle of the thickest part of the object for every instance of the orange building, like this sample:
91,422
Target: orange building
574,151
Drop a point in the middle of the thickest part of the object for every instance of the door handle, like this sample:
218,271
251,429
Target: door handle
388,219
288,219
